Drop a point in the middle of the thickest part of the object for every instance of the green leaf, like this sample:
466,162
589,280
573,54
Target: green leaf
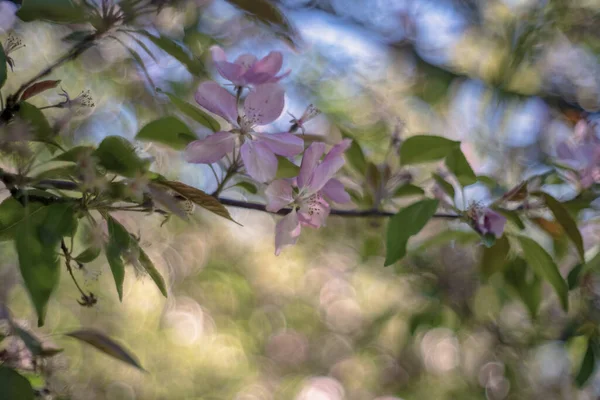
11,213
573,277
39,124
355,156
58,172
198,197
408,190
487,181
176,51
406,223
14,386
267,13
74,154
117,155
588,365
3,67
152,271
60,221
567,222
445,185
543,265
59,11
493,258
452,236
38,260
426,148
248,187
106,345
118,242
88,255
167,130
286,168
529,288
193,112
513,217
459,166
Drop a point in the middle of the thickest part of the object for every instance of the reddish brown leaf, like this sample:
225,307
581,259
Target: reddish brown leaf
38,88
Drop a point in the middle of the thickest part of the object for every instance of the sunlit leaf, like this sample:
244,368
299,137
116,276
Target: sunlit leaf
58,172
588,365
193,112
407,222
106,345
88,255
74,154
459,166
59,11
286,168
14,386
426,148
38,88
408,190
170,131
567,222
266,12
248,187
117,155
198,197
493,258
176,51
543,265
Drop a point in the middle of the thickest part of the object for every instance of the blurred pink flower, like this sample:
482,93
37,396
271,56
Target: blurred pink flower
582,153
261,107
308,193
247,69
488,221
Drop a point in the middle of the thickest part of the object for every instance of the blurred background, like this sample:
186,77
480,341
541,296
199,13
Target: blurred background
325,320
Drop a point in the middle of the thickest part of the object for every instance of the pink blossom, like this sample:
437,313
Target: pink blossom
582,153
247,69
308,193
7,16
261,107
488,221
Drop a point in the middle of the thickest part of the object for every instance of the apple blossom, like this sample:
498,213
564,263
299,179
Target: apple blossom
247,69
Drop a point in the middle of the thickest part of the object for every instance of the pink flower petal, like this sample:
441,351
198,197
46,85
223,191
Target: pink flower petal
211,149
265,69
264,104
334,191
314,211
246,61
279,195
259,160
310,160
215,99
280,77
287,232
492,222
284,144
331,164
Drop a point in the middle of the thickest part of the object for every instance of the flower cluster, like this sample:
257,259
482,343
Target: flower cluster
309,193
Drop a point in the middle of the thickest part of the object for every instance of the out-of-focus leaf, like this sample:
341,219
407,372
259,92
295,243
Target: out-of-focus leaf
493,258
487,181
588,365
543,265
426,148
88,255
38,261
445,185
198,197
59,172
117,155
106,345
77,36
176,51
574,275
41,129
373,177
11,214
372,246
193,112
14,386
355,156
286,168
517,193
529,288
60,221
553,228
152,271
74,154
119,241
407,222
408,190
452,236
513,217
266,12
38,88
170,131
248,187
32,343
59,11
459,166
567,222
3,67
